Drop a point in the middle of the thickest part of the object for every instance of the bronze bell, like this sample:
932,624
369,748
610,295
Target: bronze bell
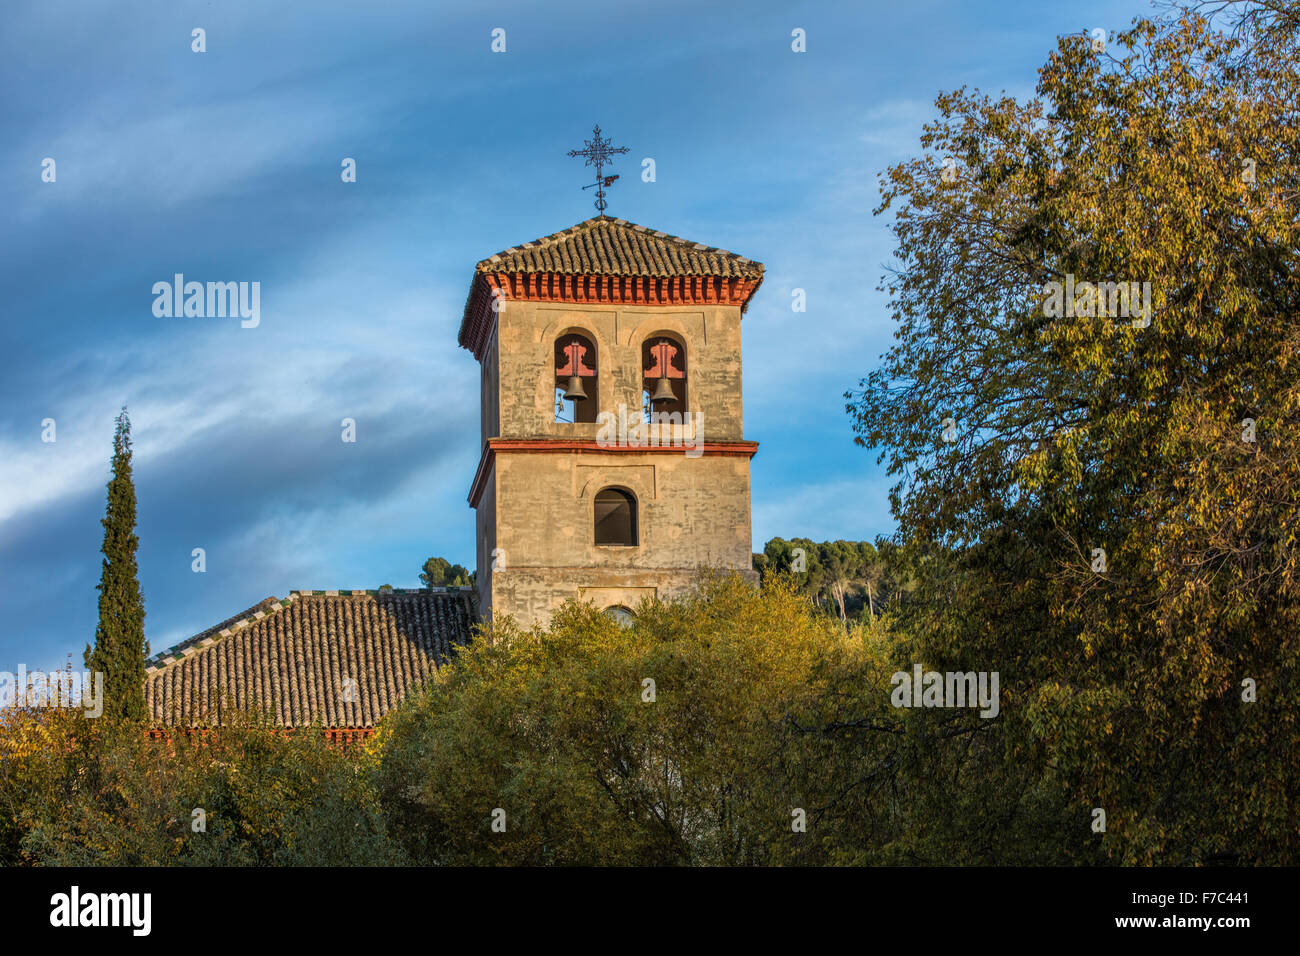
574,392
663,392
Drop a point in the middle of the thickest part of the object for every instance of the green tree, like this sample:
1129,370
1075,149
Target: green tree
799,558
842,563
661,743
77,794
768,736
1096,524
871,571
441,573
120,646
851,577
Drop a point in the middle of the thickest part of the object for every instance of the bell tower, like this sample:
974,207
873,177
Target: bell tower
614,465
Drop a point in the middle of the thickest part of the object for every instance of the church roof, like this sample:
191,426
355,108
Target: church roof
337,658
616,247
607,260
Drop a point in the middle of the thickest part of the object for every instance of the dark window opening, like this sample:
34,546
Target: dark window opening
615,517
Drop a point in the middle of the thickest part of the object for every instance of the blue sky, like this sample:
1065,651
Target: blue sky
225,166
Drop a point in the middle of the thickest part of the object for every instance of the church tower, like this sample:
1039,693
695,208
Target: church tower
614,465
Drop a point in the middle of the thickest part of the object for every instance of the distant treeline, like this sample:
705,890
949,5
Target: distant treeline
849,578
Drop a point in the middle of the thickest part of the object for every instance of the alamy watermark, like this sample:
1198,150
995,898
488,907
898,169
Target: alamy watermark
663,430
57,689
213,300
951,689
1099,299
75,908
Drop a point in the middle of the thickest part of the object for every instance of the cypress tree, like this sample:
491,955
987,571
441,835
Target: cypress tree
120,647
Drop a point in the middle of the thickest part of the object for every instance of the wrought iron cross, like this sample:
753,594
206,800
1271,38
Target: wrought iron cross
598,152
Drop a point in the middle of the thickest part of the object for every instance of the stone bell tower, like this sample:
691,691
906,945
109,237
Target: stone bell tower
614,465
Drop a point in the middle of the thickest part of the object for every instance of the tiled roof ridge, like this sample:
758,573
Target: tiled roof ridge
491,262
208,636
267,606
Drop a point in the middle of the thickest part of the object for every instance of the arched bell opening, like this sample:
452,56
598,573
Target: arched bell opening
663,378
575,379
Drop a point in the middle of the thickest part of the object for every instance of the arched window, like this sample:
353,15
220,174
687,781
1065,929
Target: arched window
622,615
615,517
575,379
663,377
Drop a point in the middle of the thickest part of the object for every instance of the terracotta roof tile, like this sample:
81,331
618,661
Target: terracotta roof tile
616,247
341,659
214,633
605,249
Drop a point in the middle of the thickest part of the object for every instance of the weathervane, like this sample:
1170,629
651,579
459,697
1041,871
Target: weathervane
598,153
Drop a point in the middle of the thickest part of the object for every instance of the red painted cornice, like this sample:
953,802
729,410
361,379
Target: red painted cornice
670,291
567,446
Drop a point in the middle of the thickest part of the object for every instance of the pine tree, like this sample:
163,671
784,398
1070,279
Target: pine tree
120,647
441,573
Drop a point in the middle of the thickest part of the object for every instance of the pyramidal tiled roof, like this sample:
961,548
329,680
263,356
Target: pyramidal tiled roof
337,658
616,247
607,260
